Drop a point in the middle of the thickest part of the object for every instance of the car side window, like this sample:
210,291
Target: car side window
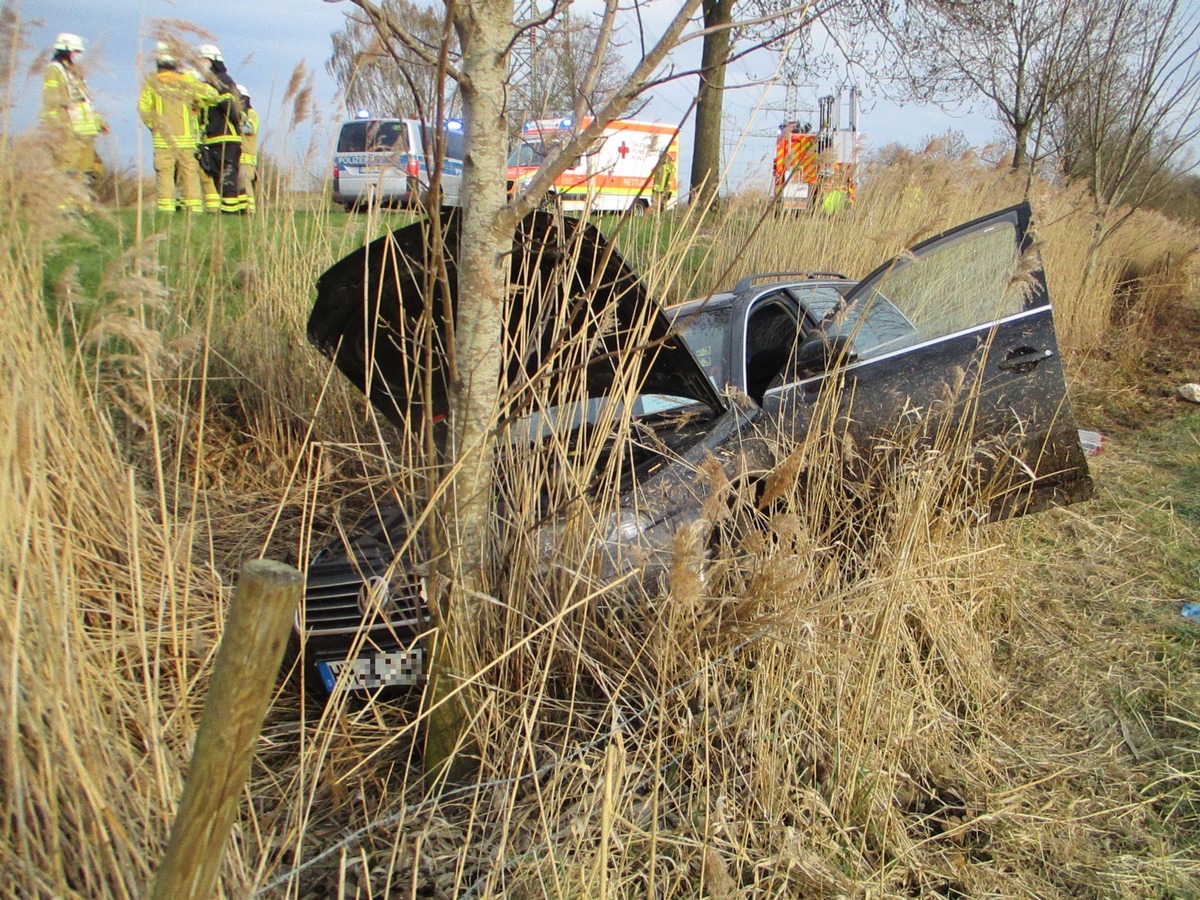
453,142
874,325
387,136
954,286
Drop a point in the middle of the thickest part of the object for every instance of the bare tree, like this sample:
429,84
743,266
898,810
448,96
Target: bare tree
376,70
706,145
1129,126
560,55
486,32
1021,56
476,356
389,77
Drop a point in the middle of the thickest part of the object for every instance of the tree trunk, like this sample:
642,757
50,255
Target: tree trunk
483,28
706,148
1020,149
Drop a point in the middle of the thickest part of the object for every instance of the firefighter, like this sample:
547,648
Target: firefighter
248,164
221,142
833,201
664,181
171,105
68,117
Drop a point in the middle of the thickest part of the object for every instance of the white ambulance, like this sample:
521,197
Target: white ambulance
616,173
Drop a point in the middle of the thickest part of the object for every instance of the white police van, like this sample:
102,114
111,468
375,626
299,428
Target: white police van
386,162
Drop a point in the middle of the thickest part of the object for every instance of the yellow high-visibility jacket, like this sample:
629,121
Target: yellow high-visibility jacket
65,100
170,106
664,175
250,138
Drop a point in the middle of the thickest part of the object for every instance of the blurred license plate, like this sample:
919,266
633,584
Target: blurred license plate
371,671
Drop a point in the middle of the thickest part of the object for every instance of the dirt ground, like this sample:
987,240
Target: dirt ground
1140,383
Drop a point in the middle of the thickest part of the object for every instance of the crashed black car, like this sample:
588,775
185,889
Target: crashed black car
959,328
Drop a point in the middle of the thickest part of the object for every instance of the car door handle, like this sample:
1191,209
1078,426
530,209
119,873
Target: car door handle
1024,359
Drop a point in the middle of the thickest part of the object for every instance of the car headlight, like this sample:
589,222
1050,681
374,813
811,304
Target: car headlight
625,526
621,528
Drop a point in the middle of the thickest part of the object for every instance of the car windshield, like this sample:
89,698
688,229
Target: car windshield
705,333
529,152
706,330
534,147
369,135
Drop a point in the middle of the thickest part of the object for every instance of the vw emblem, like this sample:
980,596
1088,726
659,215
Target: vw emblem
374,595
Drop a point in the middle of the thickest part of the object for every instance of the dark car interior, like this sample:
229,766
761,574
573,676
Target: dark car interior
370,135
771,334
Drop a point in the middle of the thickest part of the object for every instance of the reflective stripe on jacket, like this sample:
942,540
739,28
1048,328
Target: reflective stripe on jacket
171,105
65,99
250,138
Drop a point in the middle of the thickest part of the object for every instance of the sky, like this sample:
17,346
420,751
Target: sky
263,41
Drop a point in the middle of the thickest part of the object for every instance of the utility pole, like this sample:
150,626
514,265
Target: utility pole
523,65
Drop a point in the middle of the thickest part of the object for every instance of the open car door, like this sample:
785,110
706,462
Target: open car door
954,338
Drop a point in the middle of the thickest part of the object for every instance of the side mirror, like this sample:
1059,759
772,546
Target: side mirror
820,352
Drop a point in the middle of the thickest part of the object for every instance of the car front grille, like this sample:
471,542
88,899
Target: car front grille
340,595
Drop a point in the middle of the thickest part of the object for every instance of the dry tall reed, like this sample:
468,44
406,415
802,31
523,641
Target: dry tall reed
836,704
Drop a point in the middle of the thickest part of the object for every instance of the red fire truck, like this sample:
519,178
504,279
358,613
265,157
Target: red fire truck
818,168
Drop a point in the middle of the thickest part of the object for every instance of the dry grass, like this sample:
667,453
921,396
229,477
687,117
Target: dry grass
914,198
858,699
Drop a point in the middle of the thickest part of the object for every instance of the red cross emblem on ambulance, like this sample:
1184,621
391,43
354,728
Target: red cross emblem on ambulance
623,150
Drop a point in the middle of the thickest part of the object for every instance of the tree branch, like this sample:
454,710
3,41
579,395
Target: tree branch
559,161
382,19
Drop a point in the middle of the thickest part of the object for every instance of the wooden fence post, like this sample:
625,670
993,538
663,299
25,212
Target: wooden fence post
243,679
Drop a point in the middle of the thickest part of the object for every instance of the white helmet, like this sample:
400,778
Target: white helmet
210,52
72,43
242,91
164,54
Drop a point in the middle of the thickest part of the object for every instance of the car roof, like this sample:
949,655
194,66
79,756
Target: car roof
751,281
346,122
758,284
687,307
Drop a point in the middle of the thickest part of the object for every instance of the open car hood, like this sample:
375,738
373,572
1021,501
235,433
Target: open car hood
381,318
